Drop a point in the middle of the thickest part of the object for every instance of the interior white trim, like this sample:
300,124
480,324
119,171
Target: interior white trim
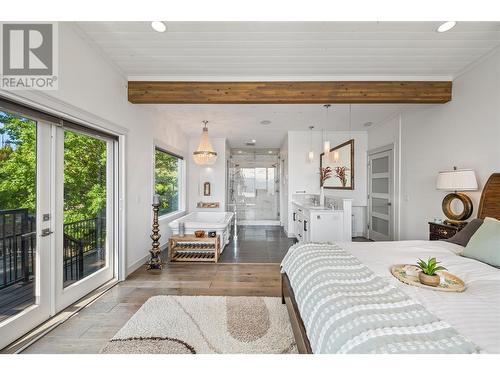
60,108
203,78
182,178
82,34
477,62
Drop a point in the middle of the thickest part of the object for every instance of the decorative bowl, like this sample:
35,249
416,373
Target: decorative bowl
433,280
199,233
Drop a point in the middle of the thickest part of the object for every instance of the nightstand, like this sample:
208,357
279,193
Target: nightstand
442,231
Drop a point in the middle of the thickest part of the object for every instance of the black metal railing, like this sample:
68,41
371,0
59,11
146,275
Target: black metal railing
83,247
17,246
83,240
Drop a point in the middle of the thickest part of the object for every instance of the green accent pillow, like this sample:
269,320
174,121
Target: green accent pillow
484,245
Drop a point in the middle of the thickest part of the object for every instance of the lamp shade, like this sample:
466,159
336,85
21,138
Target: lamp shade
457,180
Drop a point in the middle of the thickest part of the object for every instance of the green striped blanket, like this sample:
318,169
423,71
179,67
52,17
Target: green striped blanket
347,308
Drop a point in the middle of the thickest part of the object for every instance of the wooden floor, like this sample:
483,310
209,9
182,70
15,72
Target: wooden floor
91,328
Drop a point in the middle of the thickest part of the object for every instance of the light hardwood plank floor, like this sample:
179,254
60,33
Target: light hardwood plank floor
96,324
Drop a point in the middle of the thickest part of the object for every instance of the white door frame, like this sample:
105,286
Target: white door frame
389,151
16,326
32,316
65,296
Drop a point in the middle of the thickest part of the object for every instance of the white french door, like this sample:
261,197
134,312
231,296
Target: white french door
57,216
84,257
380,185
26,218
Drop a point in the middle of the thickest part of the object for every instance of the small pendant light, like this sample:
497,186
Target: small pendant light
336,155
310,155
326,143
205,154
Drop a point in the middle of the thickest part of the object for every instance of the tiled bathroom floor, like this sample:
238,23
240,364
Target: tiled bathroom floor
257,244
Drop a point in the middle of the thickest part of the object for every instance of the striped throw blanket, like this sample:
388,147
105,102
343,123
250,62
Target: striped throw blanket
347,308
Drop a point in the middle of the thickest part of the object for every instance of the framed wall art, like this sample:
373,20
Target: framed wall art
341,162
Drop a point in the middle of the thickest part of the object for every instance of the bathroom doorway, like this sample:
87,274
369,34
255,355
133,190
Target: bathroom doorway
253,186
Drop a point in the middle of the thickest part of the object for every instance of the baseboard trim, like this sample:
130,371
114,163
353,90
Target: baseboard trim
359,234
141,262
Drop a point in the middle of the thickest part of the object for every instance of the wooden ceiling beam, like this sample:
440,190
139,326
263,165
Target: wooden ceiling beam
276,92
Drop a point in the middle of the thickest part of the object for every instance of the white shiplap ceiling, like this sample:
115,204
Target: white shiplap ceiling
253,51
292,50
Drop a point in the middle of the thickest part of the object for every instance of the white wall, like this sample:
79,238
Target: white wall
464,132
284,185
385,134
94,91
215,174
304,175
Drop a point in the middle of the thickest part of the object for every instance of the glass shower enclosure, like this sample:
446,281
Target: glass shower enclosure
253,186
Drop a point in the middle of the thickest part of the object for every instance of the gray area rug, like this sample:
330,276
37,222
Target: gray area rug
206,324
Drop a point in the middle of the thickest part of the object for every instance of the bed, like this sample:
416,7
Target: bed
473,314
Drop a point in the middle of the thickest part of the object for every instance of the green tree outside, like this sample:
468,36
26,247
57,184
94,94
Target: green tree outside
166,181
84,170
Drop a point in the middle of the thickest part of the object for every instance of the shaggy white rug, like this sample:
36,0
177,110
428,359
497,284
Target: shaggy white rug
205,324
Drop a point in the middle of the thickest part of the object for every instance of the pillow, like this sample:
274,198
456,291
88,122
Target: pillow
484,245
462,237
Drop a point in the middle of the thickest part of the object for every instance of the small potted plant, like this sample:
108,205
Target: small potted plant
427,274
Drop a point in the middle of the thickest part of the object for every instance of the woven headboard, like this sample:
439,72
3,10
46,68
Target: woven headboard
490,198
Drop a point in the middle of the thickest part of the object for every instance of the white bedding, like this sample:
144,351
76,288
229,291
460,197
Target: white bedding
475,313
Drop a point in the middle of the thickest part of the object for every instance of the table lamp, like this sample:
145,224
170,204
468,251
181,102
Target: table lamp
457,181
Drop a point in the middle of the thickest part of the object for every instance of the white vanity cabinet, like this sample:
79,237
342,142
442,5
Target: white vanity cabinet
298,221
313,224
325,226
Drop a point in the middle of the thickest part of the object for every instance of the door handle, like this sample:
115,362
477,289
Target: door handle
46,232
305,225
389,203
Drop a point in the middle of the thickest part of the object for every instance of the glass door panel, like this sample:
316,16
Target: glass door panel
255,193
84,206
24,196
85,251
380,190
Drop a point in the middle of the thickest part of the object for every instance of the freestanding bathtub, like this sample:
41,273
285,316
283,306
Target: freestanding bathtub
219,222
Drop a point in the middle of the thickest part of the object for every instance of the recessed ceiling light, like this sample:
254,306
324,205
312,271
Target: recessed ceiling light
239,151
445,26
265,122
367,124
159,26
253,141
269,152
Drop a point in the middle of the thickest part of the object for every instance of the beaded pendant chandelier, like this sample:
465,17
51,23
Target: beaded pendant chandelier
205,154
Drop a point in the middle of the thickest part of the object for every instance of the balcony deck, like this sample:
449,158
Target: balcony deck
15,298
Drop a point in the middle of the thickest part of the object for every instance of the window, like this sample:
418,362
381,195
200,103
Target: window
168,174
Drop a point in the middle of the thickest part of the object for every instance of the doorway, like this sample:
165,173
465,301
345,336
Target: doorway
254,186
380,194
57,216
254,196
